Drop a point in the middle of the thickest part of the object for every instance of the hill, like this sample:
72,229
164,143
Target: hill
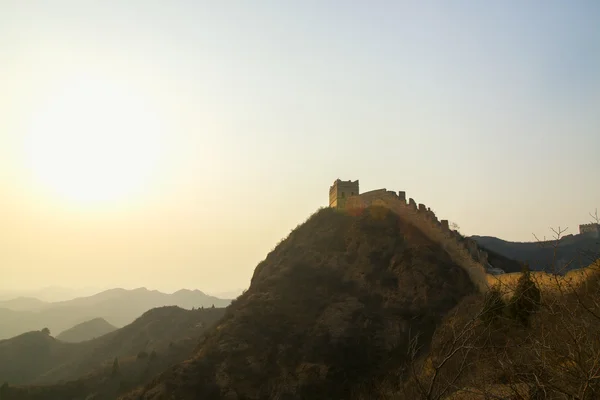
31,354
166,335
329,311
23,304
119,307
572,252
86,330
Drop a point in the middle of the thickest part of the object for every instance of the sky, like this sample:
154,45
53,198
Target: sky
173,144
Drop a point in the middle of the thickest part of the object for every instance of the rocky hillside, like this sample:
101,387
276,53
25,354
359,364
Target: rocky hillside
329,312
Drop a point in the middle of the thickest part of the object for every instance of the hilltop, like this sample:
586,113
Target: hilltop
329,311
118,307
86,330
31,354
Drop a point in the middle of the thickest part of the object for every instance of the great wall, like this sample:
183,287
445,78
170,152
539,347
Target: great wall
345,195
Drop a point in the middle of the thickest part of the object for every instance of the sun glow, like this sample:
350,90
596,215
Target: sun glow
94,141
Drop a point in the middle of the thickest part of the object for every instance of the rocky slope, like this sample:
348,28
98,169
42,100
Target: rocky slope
329,312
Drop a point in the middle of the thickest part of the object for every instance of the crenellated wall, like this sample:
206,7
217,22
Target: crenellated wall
463,252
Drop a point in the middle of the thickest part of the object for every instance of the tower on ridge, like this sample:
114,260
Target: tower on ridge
340,191
592,230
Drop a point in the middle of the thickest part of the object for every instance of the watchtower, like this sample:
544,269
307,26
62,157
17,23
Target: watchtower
592,230
340,191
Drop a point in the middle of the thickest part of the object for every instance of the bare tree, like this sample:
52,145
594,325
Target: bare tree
455,356
556,355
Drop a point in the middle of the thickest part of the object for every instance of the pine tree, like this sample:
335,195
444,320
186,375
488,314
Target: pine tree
526,299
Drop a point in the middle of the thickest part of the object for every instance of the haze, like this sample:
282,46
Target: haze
173,144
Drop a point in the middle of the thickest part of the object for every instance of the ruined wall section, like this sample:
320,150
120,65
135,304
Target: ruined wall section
463,252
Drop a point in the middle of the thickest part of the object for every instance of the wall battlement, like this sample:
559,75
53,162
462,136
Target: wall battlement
590,229
463,251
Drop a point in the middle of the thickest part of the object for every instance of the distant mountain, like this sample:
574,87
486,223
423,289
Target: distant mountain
118,307
49,293
572,252
86,331
23,304
160,336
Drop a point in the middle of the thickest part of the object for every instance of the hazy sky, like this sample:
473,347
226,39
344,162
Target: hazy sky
172,144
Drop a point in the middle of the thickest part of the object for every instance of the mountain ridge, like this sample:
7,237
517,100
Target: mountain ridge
572,252
117,306
38,358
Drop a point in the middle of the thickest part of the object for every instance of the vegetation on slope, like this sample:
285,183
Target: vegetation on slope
27,356
533,346
328,312
159,338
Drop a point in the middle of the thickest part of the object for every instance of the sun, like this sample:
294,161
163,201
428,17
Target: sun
94,141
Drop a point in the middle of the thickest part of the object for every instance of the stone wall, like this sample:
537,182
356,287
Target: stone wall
464,253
